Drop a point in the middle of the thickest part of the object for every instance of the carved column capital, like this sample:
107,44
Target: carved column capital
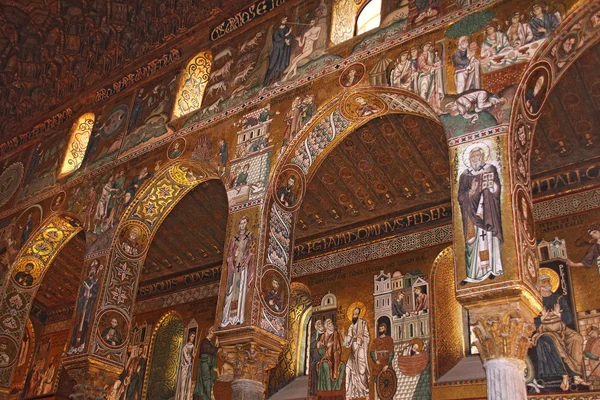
86,378
249,360
502,331
251,351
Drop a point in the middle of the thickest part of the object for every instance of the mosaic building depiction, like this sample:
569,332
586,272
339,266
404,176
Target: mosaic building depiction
300,199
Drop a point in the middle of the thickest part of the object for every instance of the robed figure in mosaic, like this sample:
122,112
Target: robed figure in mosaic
206,375
240,273
479,198
315,357
592,255
382,351
183,390
357,366
559,348
331,368
85,307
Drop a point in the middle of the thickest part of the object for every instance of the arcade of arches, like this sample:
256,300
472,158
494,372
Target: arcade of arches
301,199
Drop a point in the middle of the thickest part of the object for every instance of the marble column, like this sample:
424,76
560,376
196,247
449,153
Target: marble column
503,333
505,376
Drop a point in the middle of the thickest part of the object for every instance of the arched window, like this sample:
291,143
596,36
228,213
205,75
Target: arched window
347,22
78,142
192,85
343,19
369,18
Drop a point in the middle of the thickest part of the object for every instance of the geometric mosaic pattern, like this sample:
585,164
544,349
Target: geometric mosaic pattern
130,244
565,205
554,208
385,248
16,298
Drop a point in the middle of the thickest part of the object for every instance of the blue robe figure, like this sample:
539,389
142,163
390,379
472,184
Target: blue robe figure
542,24
280,55
558,348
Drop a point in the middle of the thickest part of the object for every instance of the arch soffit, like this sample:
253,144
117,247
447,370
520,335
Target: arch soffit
579,24
40,250
47,241
343,110
152,204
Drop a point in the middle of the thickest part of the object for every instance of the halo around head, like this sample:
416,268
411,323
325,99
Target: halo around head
466,154
554,279
356,304
418,342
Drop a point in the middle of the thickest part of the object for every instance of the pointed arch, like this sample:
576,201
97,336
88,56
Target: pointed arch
24,279
582,27
163,357
578,33
192,84
131,242
79,137
333,122
341,116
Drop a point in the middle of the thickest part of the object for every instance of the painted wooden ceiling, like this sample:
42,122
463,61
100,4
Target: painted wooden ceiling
50,50
192,237
392,164
568,130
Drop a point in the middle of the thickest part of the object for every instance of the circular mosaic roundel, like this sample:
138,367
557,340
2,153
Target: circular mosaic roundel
10,181
133,239
8,351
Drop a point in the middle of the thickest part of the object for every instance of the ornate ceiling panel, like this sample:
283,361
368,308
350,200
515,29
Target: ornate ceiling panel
392,164
568,131
52,49
192,237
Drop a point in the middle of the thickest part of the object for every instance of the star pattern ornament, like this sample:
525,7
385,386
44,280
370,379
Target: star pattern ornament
119,295
123,271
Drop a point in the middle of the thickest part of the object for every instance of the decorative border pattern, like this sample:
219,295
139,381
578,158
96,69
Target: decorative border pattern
565,205
156,200
385,248
16,300
63,325
175,299
555,208
40,128
474,136
139,74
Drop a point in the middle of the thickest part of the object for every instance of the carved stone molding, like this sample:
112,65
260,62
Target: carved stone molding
502,331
